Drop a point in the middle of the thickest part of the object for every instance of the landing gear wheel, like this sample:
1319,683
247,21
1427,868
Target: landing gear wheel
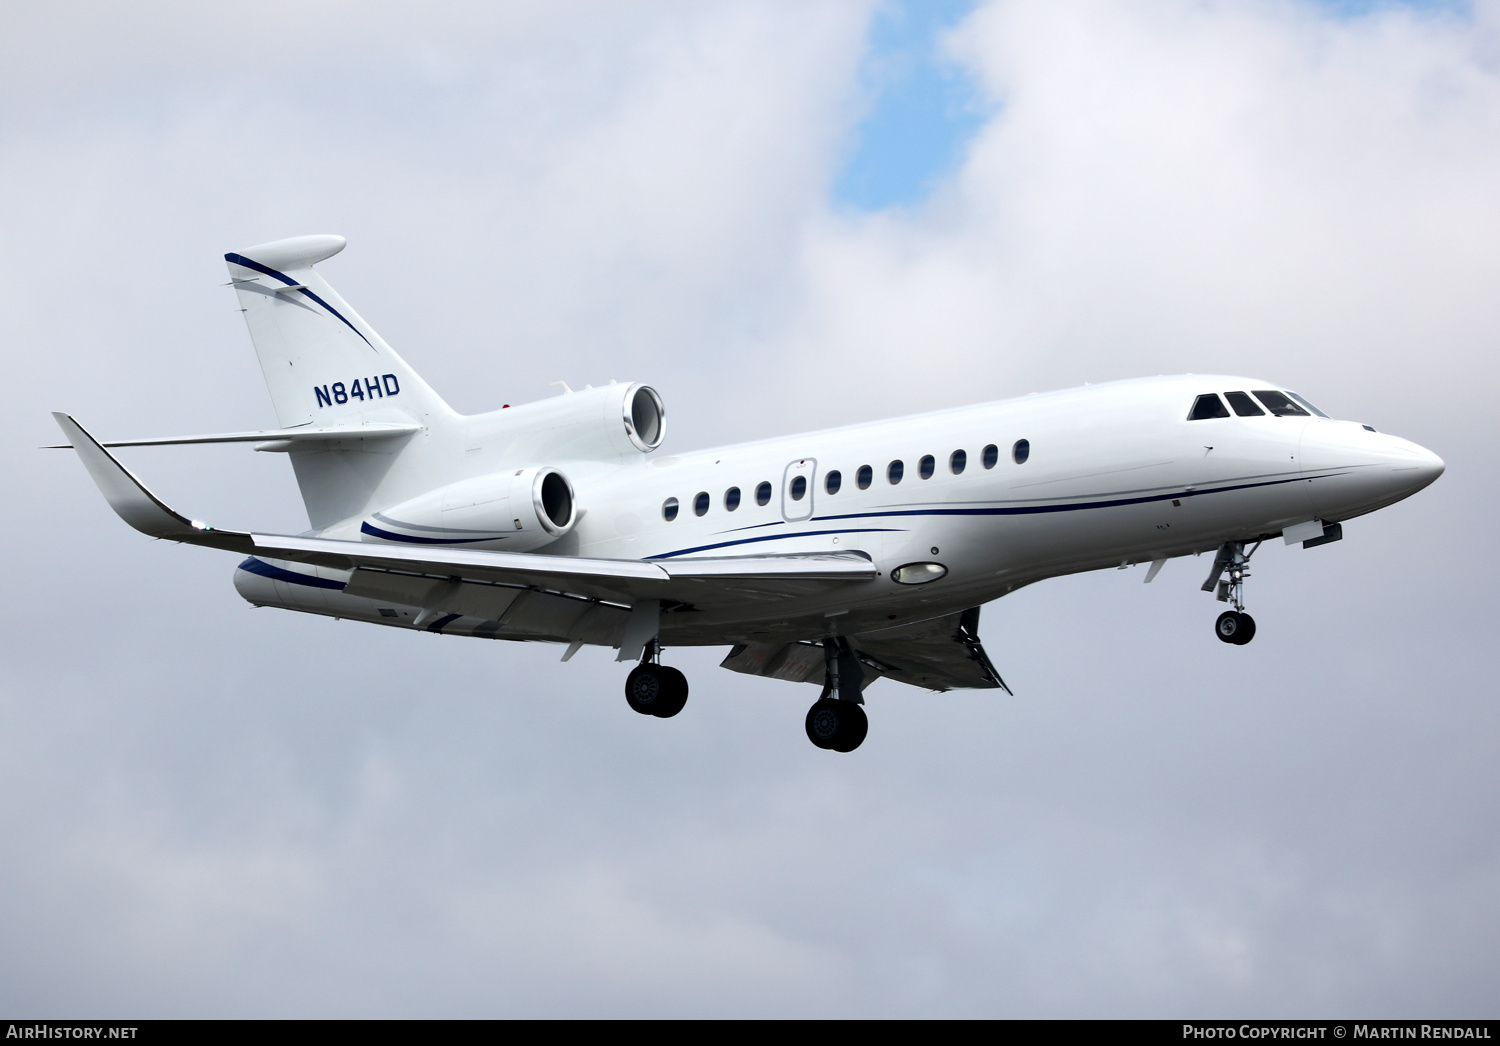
1235,627
839,726
656,690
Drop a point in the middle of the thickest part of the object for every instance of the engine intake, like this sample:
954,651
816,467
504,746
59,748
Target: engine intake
645,418
511,511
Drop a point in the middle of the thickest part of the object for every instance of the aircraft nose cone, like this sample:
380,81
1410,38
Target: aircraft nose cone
1358,470
1408,467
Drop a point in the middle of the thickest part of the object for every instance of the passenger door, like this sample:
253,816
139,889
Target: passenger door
797,490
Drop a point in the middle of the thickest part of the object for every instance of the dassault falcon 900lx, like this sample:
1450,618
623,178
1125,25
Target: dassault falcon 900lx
831,558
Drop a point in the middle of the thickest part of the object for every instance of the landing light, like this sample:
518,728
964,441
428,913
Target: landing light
918,573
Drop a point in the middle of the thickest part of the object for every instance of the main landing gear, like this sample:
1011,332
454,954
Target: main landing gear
653,688
836,721
1233,626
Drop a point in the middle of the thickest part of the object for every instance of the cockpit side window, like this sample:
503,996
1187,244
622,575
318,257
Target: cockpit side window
1279,404
1243,405
1303,400
1208,406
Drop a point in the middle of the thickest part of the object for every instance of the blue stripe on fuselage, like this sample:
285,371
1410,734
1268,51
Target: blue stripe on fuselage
1019,510
365,528
291,577
775,537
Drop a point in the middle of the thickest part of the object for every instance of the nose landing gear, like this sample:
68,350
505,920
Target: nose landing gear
1233,626
656,689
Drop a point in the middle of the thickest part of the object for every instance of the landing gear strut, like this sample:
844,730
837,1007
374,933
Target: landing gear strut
1233,626
836,721
653,688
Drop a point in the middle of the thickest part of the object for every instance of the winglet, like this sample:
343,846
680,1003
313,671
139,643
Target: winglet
135,504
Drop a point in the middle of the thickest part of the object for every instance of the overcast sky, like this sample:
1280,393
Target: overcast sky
783,216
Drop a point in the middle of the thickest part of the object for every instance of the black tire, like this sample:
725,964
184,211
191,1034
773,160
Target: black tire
1230,627
676,692
856,726
1247,630
838,726
647,689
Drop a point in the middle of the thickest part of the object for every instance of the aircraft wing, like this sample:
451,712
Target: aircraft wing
706,581
941,654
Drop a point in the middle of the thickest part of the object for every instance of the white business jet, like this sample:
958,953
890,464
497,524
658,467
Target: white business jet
832,558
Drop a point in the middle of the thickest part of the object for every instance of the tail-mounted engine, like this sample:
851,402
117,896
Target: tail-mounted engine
600,424
518,509
512,511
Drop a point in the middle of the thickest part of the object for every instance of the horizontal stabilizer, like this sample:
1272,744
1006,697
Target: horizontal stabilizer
375,430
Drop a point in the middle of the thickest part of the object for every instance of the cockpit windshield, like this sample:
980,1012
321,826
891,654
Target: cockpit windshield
1279,404
1207,406
1302,400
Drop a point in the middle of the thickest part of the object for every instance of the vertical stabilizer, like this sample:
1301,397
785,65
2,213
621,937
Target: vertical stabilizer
324,365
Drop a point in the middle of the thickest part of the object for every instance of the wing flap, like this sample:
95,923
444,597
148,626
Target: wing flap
941,654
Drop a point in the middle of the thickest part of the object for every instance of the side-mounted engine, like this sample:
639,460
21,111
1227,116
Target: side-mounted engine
513,511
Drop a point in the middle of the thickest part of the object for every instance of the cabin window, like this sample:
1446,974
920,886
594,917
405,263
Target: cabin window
731,499
833,481
926,467
700,503
1021,451
1303,400
669,509
1279,404
763,494
957,462
990,456
1209,406
894,471
864,477
1243,405
799,488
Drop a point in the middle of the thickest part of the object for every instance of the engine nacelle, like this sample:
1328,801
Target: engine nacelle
513,511
590,424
